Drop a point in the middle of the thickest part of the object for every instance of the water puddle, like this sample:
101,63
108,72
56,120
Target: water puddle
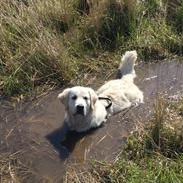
36,128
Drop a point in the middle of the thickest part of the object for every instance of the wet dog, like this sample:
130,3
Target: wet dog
83,108
87,109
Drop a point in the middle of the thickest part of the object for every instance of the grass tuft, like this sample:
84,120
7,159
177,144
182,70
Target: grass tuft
108,22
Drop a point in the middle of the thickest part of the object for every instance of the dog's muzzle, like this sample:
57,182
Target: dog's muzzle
80,109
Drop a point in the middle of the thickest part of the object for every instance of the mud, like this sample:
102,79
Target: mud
36,130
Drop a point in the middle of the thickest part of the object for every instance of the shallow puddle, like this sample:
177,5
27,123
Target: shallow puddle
36,128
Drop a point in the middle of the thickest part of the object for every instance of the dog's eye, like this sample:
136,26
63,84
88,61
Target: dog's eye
86,98
74,97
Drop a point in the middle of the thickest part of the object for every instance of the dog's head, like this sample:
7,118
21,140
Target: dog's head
78,100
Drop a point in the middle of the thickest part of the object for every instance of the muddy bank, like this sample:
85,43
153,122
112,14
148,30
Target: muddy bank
36,130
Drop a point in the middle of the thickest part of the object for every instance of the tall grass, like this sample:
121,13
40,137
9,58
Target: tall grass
32,49
50,42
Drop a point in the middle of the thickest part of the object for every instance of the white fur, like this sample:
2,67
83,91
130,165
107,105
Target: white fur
94,112
122,92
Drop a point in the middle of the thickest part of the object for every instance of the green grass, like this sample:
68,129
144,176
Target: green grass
32,51
152,154
52,42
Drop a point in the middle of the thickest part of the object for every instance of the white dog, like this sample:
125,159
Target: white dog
123,92
85,110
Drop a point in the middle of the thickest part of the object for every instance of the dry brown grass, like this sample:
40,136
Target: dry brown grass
12,169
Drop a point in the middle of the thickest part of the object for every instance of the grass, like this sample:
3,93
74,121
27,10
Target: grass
49,43
152,154
12,169
32,52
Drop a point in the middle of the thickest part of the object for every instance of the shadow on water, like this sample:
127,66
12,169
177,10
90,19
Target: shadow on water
64,141
56,138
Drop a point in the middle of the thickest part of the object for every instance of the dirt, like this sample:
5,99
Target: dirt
36,130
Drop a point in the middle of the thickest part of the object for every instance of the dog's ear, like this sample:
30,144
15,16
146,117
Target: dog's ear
93,98
63,97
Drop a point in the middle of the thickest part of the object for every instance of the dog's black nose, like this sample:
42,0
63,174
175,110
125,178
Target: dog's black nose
80,109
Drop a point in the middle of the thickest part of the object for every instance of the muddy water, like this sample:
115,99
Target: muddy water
36,129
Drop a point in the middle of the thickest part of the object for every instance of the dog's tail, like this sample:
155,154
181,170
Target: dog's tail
127,65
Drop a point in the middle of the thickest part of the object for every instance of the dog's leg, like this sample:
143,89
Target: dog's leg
116,107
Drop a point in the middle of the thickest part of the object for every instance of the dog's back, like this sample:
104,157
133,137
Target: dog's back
122,91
